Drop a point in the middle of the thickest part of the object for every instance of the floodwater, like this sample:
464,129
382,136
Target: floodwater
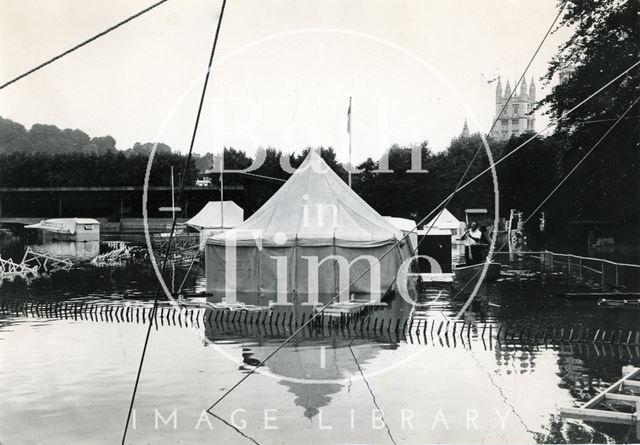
69,379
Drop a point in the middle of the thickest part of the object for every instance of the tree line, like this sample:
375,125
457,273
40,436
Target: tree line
89,169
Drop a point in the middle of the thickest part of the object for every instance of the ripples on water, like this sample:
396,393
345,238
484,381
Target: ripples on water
70,381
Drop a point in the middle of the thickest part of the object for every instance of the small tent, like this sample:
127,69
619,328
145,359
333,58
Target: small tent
445,221
407,227
209,220
314,236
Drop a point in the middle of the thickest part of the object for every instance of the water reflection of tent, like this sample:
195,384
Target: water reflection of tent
309,359
305,361
313,215
208,221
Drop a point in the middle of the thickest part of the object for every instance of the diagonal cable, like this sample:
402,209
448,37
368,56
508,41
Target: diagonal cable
447,200
173,224
80,45
555,189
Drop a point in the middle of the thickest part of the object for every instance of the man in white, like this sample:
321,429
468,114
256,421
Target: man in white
473,247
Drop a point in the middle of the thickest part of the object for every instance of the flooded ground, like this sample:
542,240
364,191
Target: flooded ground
68,378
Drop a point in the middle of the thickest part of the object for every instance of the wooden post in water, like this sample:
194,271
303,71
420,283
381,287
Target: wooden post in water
580,268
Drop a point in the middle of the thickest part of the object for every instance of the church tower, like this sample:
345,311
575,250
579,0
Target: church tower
518,117
465,130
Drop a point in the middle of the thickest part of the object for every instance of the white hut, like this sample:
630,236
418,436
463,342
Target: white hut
303,239
69,229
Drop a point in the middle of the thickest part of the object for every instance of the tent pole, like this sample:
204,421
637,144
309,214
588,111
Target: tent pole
349,128
295,264
222,191
336,287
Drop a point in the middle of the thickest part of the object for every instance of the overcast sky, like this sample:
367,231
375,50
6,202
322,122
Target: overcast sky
285,69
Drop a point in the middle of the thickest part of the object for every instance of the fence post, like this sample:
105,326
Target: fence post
580,265
602,273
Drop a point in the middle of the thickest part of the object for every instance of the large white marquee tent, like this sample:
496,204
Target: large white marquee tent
313,219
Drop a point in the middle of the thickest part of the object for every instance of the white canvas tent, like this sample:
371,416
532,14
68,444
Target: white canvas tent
314,223
406,226
208,221
210,217
444,220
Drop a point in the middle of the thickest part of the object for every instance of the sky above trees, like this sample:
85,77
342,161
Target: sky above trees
285,69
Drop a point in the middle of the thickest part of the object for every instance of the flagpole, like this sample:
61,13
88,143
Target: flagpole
222,191
173,198
349,130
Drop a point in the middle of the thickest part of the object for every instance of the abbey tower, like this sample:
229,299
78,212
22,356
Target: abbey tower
518,117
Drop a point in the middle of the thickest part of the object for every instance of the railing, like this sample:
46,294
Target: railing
598,271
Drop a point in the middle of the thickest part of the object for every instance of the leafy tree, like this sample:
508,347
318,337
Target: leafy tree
605,42
12,136
146,148
88,169
102,145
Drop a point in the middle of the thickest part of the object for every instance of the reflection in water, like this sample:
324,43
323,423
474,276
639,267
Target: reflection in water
50,372
312,368
78,251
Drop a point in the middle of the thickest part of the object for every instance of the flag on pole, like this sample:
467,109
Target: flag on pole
349,118
349,131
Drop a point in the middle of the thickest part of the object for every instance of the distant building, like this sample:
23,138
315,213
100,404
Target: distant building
465,130
518,117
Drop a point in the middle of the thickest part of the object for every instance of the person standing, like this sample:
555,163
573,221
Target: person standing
473,244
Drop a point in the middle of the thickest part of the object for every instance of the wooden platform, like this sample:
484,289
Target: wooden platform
434,277
619,304
607,295
624,394
349,307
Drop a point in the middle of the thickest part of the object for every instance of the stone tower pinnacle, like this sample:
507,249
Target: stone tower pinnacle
514,114
532,91
465,130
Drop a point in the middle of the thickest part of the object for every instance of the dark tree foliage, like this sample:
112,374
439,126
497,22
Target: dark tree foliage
528,176
605,42
50,139
400,192
89,169
452,165
146,149
271,163
329,156
233,160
